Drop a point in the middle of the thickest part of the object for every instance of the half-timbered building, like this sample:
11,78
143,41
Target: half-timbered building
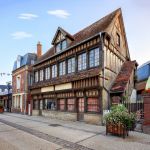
80,74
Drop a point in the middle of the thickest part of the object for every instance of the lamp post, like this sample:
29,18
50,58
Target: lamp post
8,88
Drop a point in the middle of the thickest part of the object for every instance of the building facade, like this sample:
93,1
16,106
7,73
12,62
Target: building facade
21,78
6,96
74,79
143,80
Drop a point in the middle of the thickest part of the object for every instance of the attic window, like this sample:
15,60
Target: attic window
61,46
118,39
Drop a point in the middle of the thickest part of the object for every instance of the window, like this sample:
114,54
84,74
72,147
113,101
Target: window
54,71
32,62
93,105
94,57
62,104
71,104
62,68
41,75
61,46
47,73
118,39
50,104
58,47
82,61
64,44
18,83
71,65
36,76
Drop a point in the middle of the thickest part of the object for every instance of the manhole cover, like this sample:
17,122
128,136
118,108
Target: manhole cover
54,125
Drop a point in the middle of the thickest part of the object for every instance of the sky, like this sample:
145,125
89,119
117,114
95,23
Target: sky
25,22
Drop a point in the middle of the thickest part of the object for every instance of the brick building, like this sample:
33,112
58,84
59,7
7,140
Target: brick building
21,79
77,78
6,96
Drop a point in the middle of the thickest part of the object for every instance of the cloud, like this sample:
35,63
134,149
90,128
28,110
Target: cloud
21,35
27,16
59,13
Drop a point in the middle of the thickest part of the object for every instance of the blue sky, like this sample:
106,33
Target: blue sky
25,22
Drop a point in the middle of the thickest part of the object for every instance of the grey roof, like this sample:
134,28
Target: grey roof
3,88
25,60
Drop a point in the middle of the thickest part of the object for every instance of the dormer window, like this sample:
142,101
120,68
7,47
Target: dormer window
61,46
61,39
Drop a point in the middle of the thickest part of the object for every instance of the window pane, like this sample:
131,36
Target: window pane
93,105
64,44
62,68
58,47
71,65
47,73
41,75
50,104
54,71
94,57
82,61
36,76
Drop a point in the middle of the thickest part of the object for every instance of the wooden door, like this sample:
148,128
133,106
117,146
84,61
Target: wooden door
80,109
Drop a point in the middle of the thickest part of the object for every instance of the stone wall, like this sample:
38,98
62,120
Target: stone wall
68,116
93,118
35,112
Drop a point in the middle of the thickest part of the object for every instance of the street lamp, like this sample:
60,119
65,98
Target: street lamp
8,89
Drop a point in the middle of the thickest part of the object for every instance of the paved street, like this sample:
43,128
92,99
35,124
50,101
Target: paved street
20,132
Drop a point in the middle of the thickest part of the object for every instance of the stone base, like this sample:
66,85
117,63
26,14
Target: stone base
93,119
35,112
68,116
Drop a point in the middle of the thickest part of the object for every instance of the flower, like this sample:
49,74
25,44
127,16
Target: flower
120,115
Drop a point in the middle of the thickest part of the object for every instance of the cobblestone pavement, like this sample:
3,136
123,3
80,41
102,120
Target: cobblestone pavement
21,132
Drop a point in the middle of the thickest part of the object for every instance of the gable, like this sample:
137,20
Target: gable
59,37
117,27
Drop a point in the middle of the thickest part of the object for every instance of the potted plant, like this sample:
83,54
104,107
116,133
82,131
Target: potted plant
119,121
1,108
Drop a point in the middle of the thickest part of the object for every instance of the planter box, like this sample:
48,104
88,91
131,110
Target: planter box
116,129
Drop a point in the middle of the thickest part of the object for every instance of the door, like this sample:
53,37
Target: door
80,114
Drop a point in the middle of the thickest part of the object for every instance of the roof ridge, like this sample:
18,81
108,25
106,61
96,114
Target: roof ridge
115,11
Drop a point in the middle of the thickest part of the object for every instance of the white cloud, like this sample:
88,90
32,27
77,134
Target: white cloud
21,35
27,16
59,13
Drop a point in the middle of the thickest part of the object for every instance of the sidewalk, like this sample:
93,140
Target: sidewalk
75,135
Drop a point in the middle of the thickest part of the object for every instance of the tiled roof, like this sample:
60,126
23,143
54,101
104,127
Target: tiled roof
86,33
123,77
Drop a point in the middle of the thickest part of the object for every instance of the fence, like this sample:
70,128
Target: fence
134,107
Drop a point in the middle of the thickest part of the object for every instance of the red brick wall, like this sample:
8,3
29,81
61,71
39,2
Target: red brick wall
147,109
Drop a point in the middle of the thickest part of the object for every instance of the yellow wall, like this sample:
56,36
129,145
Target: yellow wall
63,86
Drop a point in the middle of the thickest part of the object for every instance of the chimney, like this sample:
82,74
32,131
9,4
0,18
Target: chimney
39,49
